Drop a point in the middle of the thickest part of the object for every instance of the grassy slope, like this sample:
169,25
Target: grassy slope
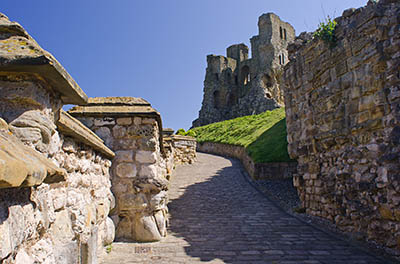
263,135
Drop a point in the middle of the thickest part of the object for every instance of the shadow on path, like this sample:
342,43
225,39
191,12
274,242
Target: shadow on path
224,217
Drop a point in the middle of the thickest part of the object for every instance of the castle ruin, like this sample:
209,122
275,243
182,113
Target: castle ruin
237,85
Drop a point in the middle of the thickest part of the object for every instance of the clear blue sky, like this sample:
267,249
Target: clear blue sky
154,49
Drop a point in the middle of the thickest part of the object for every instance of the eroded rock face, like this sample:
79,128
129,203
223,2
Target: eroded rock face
343,122
236,85
131,128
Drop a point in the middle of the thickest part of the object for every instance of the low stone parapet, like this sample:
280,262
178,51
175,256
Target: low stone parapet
258,171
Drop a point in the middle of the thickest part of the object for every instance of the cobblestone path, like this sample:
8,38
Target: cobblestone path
218,217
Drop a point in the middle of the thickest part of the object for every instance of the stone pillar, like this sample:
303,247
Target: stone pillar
132,128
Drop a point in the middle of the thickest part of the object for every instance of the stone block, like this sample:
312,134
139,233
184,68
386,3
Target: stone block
145,229
124,156
126,170
146,156
105,121
124,121
148,171
119,131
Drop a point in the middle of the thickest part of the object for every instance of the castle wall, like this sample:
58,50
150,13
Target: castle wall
342,112
236,85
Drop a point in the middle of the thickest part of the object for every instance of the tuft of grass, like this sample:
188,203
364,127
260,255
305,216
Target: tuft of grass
263,135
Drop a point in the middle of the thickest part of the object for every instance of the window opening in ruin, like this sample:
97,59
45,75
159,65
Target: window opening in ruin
233,98
281,32
283,59
245,76
217,76
236,80
229,76
285,33
216,97
280,59
267,81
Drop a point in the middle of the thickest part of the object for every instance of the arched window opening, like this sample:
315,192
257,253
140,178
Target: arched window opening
216,98
280,59
283,59
284,31
245,75
281,32
267,81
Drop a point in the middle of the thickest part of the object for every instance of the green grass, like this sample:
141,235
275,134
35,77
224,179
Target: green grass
263,135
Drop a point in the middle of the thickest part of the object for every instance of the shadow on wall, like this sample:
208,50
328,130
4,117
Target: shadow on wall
13,198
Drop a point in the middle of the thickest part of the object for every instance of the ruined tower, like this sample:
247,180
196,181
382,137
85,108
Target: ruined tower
236,85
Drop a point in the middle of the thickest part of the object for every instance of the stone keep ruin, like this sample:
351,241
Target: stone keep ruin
68,188
238,86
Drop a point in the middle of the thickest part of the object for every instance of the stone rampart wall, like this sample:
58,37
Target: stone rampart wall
342,112
258,171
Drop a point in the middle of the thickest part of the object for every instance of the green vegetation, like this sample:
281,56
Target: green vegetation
326,32
263,135
109,248
182,132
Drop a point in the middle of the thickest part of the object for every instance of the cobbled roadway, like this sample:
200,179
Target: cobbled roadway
216,216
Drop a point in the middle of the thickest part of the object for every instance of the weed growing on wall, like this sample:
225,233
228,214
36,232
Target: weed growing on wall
326,32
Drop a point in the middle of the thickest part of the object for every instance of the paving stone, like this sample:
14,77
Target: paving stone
218,217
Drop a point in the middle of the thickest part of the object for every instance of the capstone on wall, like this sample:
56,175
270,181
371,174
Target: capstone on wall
236,85
131,128
58,214
343,121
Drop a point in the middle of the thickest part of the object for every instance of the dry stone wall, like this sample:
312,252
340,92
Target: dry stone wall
236,85
342,112
131,128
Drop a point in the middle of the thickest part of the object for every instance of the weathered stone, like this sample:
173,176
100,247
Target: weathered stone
126,170
104,122
20,165
124,121
124,156
119,131
145,229
146,156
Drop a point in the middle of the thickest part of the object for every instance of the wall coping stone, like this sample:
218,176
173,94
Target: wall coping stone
22,166
27,56
119,107
70,126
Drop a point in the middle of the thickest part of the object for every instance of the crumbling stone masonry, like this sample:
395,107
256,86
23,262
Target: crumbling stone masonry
236,85
54,173
132,128
343,121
